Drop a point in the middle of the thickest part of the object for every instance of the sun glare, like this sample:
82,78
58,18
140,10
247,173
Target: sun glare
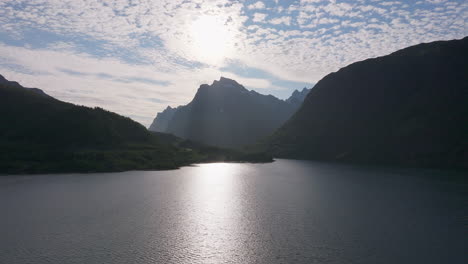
211,39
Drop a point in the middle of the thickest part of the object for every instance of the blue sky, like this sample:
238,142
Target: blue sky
135,57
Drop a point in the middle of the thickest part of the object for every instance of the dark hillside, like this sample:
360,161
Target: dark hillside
409,108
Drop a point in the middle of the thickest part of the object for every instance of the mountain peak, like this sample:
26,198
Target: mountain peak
226,114
222,85
226,83
298,96
227,80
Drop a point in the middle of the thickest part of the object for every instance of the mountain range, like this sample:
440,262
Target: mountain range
226,114
409,108
40,134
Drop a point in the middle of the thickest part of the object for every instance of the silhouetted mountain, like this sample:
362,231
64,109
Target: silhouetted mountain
15,84
228,115
409,108
161,122
298,97
40,134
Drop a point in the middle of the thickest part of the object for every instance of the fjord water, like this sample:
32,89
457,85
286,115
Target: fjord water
282,212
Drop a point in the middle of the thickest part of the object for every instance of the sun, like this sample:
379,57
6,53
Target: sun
211,39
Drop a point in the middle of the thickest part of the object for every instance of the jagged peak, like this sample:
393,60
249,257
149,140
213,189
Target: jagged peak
223,83
298,95
227,80
298,92
226,83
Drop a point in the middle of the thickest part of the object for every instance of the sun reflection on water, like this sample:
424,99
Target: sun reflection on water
213,191
214,212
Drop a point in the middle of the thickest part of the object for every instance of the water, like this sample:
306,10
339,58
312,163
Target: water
283,212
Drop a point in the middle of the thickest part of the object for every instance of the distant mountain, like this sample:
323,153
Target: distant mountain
298,97
162,120
228,115
40,134
409,108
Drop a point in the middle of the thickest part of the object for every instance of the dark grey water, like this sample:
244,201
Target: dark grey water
284,212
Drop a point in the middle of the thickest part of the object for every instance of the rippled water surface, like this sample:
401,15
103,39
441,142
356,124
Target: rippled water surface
283,212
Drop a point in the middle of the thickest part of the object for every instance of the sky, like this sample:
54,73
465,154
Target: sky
136,57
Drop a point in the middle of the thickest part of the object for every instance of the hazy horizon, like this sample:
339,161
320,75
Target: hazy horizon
138,57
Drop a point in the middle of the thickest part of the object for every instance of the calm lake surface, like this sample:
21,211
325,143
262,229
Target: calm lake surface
283,212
